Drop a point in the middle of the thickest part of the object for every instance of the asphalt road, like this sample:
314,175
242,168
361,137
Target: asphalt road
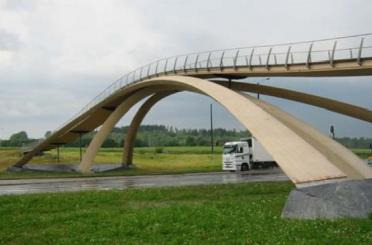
26,186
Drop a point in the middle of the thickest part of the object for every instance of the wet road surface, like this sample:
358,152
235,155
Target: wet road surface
26,186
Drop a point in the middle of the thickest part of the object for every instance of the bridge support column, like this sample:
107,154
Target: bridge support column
351,198
136,122
116,115
80,147
57,153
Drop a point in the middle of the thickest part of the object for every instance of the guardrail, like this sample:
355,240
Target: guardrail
355,47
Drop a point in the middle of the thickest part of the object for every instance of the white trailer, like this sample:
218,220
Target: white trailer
244,155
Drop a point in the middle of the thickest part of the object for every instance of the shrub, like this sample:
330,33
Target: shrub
159,150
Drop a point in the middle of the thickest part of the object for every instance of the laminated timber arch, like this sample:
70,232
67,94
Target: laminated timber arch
98,114
346,109
134,126
299,158
321,142
332,105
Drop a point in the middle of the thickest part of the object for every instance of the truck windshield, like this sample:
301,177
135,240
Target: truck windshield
228,149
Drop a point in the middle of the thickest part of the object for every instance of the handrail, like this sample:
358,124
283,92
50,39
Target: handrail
304,52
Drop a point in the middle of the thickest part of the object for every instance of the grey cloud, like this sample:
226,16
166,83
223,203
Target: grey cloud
22,5
9,41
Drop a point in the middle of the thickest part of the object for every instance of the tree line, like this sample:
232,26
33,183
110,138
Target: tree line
161,135
147,136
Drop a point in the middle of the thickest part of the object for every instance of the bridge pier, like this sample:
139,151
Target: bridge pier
58,153
339,199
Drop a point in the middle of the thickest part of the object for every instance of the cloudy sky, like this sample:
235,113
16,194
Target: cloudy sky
57,55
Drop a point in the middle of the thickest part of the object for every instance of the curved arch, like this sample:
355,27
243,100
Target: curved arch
330,104
322,143
298,159
136,122
97,115
327,146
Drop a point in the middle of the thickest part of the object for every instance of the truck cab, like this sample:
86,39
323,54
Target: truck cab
236,156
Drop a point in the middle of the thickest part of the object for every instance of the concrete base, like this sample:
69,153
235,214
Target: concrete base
351,198
64,168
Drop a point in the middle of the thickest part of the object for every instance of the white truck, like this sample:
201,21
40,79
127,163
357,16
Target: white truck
244,155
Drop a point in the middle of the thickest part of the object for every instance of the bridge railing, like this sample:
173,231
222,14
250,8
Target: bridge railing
355,47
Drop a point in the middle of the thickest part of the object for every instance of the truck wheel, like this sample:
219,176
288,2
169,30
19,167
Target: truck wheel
244,167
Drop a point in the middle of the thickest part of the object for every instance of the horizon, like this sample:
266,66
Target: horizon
169,127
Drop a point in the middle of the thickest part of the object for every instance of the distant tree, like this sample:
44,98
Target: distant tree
4,143
190,141
18,139
355,142
138,142
160,135
202,141
109,143
47,133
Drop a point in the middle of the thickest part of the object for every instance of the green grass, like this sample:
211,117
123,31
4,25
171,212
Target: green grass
363,153
215,214
172,160
148,160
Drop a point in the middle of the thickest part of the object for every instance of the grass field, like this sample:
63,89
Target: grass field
214,214
149,160
363,153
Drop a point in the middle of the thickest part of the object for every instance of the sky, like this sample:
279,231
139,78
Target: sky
55,56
